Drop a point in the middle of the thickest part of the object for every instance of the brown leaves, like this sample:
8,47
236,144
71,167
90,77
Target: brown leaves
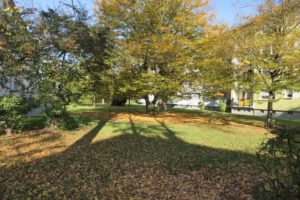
43,165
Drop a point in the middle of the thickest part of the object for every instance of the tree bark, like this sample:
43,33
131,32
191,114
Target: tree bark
94,101
269,122
164,106
147,103
228,102
150,104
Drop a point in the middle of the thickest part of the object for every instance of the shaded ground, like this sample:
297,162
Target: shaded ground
133,156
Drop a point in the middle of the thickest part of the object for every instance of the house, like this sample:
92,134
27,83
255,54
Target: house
9,87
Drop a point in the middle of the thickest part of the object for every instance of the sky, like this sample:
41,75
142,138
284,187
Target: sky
226,10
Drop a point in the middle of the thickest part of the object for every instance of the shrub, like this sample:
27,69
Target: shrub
201,106
222,107
54,111
12,112
58,116
68,122
280,158
30,104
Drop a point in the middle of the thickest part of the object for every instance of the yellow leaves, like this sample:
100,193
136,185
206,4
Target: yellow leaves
8,9
12,9
245,63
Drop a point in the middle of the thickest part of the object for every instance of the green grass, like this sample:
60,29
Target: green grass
75,108
34,123
121,151
221,136
243,119
282,104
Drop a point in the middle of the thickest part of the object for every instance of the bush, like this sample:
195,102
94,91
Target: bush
58,116
201,106
68,122
30,104
280,158
222,107
12,111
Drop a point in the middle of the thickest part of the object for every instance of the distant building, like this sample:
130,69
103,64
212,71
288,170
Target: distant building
10,85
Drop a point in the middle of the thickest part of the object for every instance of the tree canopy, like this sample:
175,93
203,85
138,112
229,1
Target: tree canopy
157,41
269,43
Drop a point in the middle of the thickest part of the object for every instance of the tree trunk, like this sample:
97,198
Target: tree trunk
129,102
163,106
150,105
228,102
269,122
94,101
147,103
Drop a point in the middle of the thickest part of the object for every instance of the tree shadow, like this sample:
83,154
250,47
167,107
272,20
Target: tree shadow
133,164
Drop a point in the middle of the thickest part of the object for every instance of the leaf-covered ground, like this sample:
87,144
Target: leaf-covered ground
134,156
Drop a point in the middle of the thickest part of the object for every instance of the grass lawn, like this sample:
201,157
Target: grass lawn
121,153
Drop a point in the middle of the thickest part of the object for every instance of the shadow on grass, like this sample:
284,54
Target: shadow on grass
101,169
34,123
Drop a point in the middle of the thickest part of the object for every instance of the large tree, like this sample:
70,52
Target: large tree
158,39
73,58
18,48
58,54
269,43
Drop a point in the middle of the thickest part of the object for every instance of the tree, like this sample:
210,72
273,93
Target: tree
18,48
214,72
158,39
73,55
7,4
269,43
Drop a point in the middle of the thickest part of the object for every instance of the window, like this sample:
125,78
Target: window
288,94
264,96
14,86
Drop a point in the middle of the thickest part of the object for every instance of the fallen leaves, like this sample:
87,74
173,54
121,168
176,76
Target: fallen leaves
128,166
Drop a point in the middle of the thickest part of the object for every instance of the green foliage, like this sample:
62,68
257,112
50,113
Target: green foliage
155,55
280,157
12,110
201,106
30,103
222,106
267,51
34,123
59,117
68,122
